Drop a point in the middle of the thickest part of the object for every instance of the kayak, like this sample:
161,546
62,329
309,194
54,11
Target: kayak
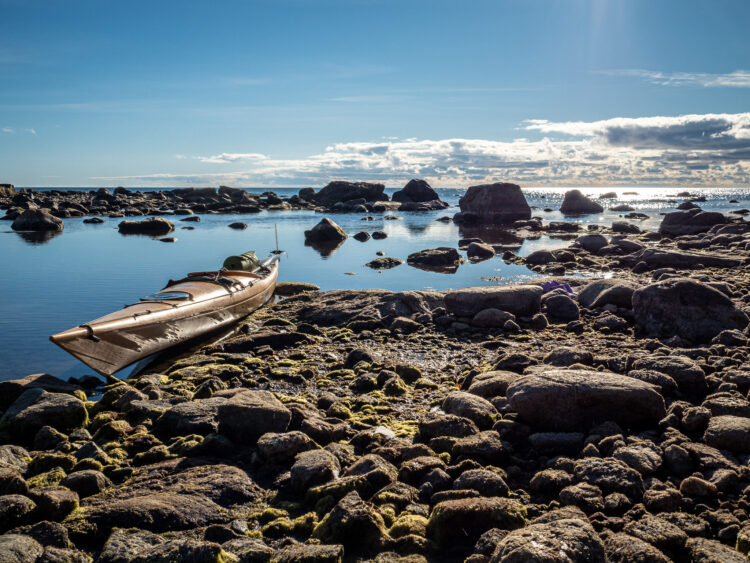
194,306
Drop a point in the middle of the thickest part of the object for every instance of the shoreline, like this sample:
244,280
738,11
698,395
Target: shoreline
607,419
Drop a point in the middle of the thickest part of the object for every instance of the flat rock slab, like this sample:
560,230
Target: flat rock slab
522,301
561,400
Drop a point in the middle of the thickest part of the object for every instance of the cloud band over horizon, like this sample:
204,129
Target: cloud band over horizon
698,149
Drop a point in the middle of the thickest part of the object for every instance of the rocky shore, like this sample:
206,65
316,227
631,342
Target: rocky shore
566,419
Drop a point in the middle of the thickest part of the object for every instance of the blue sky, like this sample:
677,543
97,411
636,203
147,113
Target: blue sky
298,92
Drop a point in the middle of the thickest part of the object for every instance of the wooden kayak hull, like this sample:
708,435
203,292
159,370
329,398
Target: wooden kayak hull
117,340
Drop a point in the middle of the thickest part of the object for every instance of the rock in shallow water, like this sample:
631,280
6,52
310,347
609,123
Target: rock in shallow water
37,220
571,399
499,203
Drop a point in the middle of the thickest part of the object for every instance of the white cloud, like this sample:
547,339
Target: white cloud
8,130
710,149
30,131
736,79
225,158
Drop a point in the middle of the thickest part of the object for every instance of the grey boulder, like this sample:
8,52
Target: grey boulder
686,308
522,301
561,400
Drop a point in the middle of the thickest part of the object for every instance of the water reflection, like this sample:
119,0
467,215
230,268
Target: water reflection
325,248
38,237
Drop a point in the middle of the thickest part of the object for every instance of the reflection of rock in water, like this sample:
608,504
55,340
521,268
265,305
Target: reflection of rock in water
491,234
417,228
452,269
325,248
38,237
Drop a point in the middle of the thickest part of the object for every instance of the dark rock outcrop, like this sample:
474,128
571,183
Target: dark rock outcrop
575,203
154,226
690,222
416,191
500,203
340,190
37,220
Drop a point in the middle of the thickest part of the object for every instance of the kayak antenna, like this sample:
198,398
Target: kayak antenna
276,232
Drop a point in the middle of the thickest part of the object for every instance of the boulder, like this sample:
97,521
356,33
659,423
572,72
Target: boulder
690,222
479,251
36,408
685,372
592,243
566,539
250,414
344,191
521,301
7,190
10,390
687,308
625,227
561,308
313,468
353,523
500,203
156,512
575,203
416,191
326,231
491,318
37,220
729,433
440,259
470,406
154,226
607,291
384,263
460,522
15,548
558,399
492,384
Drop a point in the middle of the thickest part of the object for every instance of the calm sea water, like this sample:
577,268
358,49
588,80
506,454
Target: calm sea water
90,270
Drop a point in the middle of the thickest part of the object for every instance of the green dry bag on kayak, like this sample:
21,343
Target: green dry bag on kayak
246,262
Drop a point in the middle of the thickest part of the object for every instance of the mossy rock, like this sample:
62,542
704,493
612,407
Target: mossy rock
462,521
407,524
154,455
47,461
743,541
408,373
341,374
49,478
87,463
